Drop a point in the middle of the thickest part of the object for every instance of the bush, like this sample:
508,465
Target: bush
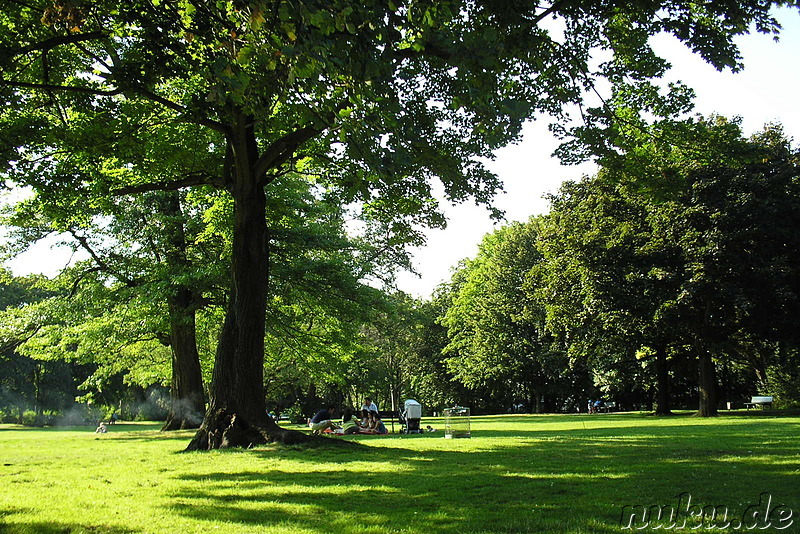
9,416
31,418
784,385
295,414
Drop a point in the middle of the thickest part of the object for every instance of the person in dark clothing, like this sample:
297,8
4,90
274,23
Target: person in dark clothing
322,420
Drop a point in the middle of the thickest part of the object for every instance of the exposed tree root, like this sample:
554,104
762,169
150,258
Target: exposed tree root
178,423
223,430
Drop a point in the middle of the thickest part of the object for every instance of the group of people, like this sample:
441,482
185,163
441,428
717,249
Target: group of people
369,422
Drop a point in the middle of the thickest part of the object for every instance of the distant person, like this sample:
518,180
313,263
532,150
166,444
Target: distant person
369,406
113,419
101,429
380,428
322,420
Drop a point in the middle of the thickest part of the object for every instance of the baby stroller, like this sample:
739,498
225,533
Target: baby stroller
410,418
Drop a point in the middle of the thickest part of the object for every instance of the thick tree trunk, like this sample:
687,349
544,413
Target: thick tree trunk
663,405
237,415
708,386
187,399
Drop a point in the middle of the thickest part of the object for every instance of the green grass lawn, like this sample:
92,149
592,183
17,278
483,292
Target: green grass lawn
553,473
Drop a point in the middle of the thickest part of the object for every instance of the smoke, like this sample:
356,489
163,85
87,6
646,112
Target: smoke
79,415
185,409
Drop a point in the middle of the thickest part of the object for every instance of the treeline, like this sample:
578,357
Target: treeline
205,157
669,279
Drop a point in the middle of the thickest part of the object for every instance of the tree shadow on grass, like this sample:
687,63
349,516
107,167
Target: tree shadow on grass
112,429
421,495
577,483
21,525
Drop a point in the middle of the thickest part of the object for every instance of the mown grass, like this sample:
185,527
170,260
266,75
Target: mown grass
554,473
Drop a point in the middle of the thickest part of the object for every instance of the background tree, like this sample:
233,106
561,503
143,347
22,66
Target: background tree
496,332
23,382
605,280
391,342
737,239
664,245
146,252
431,382
119,301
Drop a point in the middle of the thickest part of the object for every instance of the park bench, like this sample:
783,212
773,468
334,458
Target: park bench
391,416
758,401
608,406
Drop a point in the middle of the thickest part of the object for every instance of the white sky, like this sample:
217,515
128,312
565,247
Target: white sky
766,91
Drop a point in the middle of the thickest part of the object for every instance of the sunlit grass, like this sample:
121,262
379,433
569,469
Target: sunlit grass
568,473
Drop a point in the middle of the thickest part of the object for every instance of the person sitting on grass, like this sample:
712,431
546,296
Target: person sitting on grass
375,425
350,424
380,428
322,420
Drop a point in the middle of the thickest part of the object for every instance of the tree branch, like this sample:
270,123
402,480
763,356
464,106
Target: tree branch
550,10
214,125
282,149
190,180
99,261
80,278
14,344
53,42
149,95
69,88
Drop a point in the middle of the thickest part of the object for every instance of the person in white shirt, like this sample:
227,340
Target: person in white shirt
369,406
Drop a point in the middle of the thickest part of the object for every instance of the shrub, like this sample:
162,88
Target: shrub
296,415
10,416
30,418
784,385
